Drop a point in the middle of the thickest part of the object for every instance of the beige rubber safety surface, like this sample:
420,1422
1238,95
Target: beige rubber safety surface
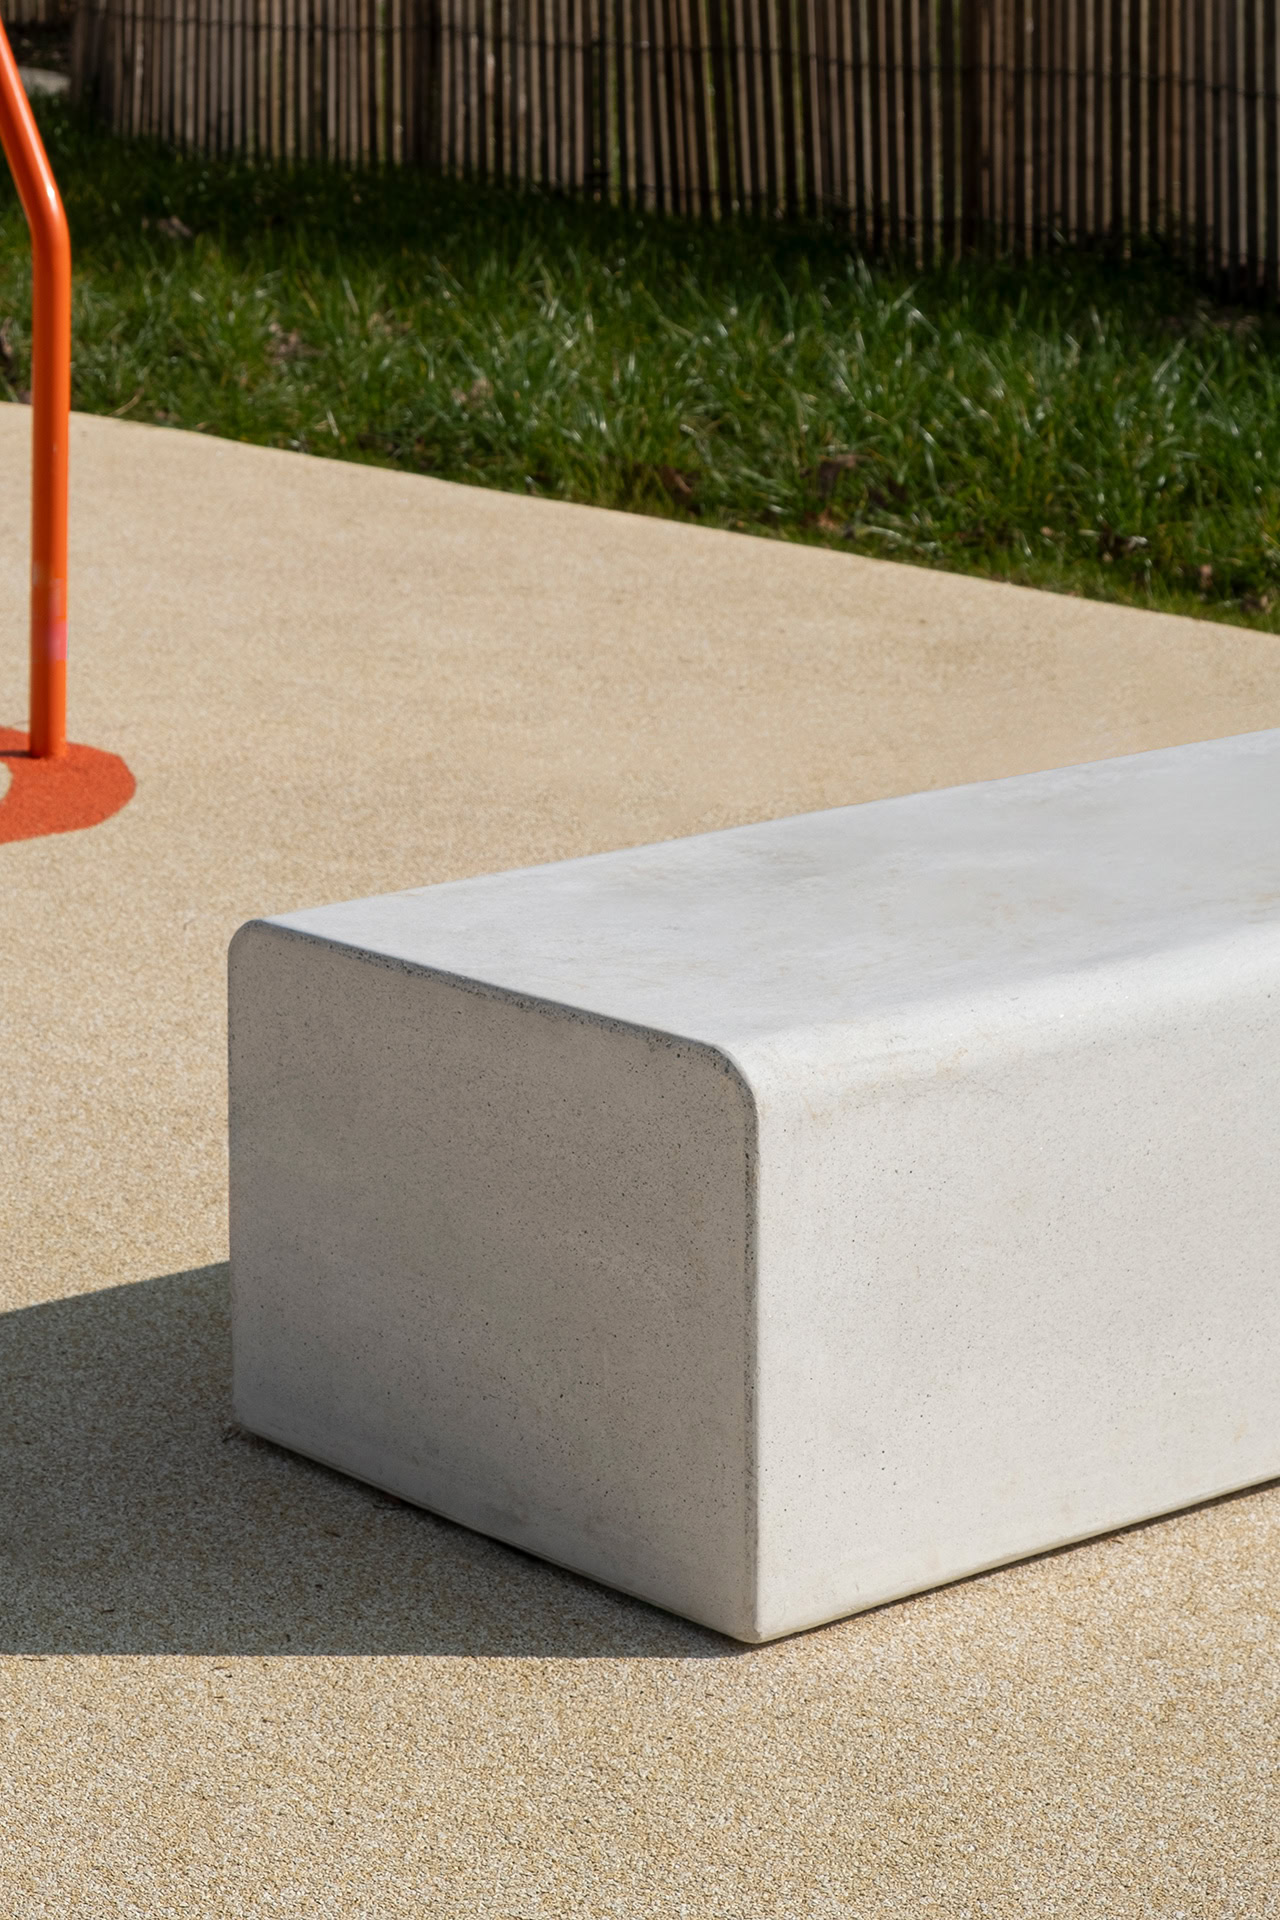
235,1684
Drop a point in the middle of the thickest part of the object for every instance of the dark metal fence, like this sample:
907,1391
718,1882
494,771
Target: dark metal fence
927,125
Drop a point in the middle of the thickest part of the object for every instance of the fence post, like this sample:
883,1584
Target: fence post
971,121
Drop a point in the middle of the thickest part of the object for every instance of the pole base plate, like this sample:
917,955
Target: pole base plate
81,788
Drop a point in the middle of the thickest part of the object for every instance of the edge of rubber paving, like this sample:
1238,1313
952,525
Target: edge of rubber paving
81,788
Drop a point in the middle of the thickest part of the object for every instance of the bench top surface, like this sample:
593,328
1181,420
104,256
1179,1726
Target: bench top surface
863,913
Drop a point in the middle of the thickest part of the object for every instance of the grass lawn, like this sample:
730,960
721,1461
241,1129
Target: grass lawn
1083,425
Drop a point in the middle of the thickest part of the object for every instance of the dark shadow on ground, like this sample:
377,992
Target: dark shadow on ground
134,1518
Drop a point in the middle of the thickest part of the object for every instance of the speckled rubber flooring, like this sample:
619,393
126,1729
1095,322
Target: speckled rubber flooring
234,1684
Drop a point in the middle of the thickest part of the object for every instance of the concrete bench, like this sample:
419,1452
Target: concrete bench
780,1221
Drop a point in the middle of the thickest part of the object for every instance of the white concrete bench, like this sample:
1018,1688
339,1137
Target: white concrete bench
776,1222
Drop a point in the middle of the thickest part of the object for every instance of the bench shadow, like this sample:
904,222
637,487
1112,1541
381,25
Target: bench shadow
135,1518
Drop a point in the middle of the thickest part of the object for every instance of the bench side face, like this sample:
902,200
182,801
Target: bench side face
1018,1274
495,1257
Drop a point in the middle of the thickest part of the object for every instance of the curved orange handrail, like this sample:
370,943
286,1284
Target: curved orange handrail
50,406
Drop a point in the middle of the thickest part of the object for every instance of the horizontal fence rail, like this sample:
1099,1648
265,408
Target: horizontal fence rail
925,125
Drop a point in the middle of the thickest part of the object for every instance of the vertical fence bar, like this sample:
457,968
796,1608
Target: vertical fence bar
948,96
1016,79
1080,59
721,106
1153,215
635,59
928,149
892,125
857,114
662,104
1231,142
971,122
1044,115
1068,119
1271,149
1250,102
774,132
908,69
875,119
1217,154
745,68
807,103
694,73
674,103
1130,18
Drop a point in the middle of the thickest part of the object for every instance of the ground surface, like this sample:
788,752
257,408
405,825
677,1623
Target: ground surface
232,1684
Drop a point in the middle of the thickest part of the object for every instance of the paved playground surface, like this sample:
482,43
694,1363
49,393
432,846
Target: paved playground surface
234,1684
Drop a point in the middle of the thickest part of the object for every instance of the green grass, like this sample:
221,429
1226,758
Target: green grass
1081,424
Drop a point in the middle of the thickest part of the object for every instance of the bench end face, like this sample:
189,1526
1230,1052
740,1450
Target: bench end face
495,1258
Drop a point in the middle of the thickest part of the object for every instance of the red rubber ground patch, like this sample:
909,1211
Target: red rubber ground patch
82,788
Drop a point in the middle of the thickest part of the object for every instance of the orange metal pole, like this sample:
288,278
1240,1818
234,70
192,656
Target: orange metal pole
50,406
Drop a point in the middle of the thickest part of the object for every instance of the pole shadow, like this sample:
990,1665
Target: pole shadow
136,1518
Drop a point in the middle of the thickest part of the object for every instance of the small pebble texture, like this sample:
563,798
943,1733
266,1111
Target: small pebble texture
235,1684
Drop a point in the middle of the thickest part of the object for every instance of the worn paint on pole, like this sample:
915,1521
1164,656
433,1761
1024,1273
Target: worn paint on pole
50,407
